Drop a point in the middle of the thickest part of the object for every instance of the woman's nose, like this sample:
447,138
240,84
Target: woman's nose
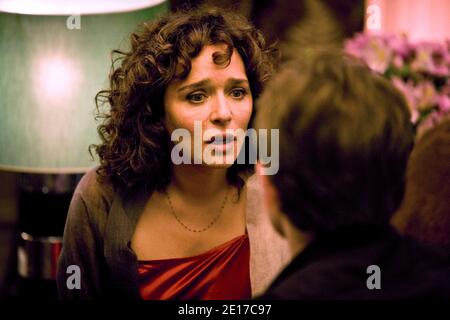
220,112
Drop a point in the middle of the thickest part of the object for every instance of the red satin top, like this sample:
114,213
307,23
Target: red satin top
221,273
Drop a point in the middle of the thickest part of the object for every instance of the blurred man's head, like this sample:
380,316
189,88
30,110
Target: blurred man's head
345,137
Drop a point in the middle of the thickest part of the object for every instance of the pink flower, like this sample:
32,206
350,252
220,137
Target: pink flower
432,58
357,45
446,89
399,44
398,62
372,49
432,120
443,102
408,91
425,94
378,55
414,70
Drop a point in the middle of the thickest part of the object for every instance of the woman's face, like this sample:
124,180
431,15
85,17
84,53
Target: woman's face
215,98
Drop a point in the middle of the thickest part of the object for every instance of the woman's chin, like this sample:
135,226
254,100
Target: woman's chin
219,162
219,165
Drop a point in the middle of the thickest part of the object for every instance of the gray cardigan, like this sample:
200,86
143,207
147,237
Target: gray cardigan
98,231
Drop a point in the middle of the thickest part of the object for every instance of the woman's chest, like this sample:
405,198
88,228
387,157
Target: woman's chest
161,233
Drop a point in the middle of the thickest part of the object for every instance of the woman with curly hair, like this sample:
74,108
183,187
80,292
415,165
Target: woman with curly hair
141,226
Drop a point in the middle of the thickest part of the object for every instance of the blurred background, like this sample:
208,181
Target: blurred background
56,57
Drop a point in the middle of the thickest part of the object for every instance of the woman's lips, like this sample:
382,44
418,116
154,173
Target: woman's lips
221,139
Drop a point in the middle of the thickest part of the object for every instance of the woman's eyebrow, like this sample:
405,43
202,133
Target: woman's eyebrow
206,82
195,85
236,81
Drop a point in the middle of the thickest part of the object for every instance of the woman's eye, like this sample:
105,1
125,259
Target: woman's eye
238,93
196,97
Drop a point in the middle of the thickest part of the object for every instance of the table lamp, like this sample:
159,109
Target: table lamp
56,55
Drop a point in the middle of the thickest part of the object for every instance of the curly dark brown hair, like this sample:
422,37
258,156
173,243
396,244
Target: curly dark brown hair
134,149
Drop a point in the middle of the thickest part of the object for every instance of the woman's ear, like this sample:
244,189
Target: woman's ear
271,199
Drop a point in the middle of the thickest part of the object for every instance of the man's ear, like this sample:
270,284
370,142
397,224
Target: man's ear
271,199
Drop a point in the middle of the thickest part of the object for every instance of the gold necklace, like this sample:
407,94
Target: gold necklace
202,229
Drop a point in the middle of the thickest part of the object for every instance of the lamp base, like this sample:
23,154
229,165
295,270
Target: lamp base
44,200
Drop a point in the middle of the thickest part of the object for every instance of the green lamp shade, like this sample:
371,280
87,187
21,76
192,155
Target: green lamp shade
52,67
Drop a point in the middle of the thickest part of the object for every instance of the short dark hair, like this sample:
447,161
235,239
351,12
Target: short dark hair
425,210
345,137
134,148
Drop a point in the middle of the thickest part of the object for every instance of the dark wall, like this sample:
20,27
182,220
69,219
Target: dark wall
276,17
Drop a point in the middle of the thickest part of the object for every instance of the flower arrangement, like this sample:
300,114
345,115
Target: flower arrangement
421,71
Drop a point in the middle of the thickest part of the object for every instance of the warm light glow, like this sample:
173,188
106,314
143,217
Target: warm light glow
56,77
68,7
52,67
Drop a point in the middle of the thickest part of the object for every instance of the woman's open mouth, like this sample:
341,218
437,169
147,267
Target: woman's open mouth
221,139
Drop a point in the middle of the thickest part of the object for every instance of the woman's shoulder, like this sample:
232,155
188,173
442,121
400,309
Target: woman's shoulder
270,251
255,197
252,182
95,192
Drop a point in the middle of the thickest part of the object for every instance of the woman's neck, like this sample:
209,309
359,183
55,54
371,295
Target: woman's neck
198,182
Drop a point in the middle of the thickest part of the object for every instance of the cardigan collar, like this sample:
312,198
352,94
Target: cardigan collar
121,259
